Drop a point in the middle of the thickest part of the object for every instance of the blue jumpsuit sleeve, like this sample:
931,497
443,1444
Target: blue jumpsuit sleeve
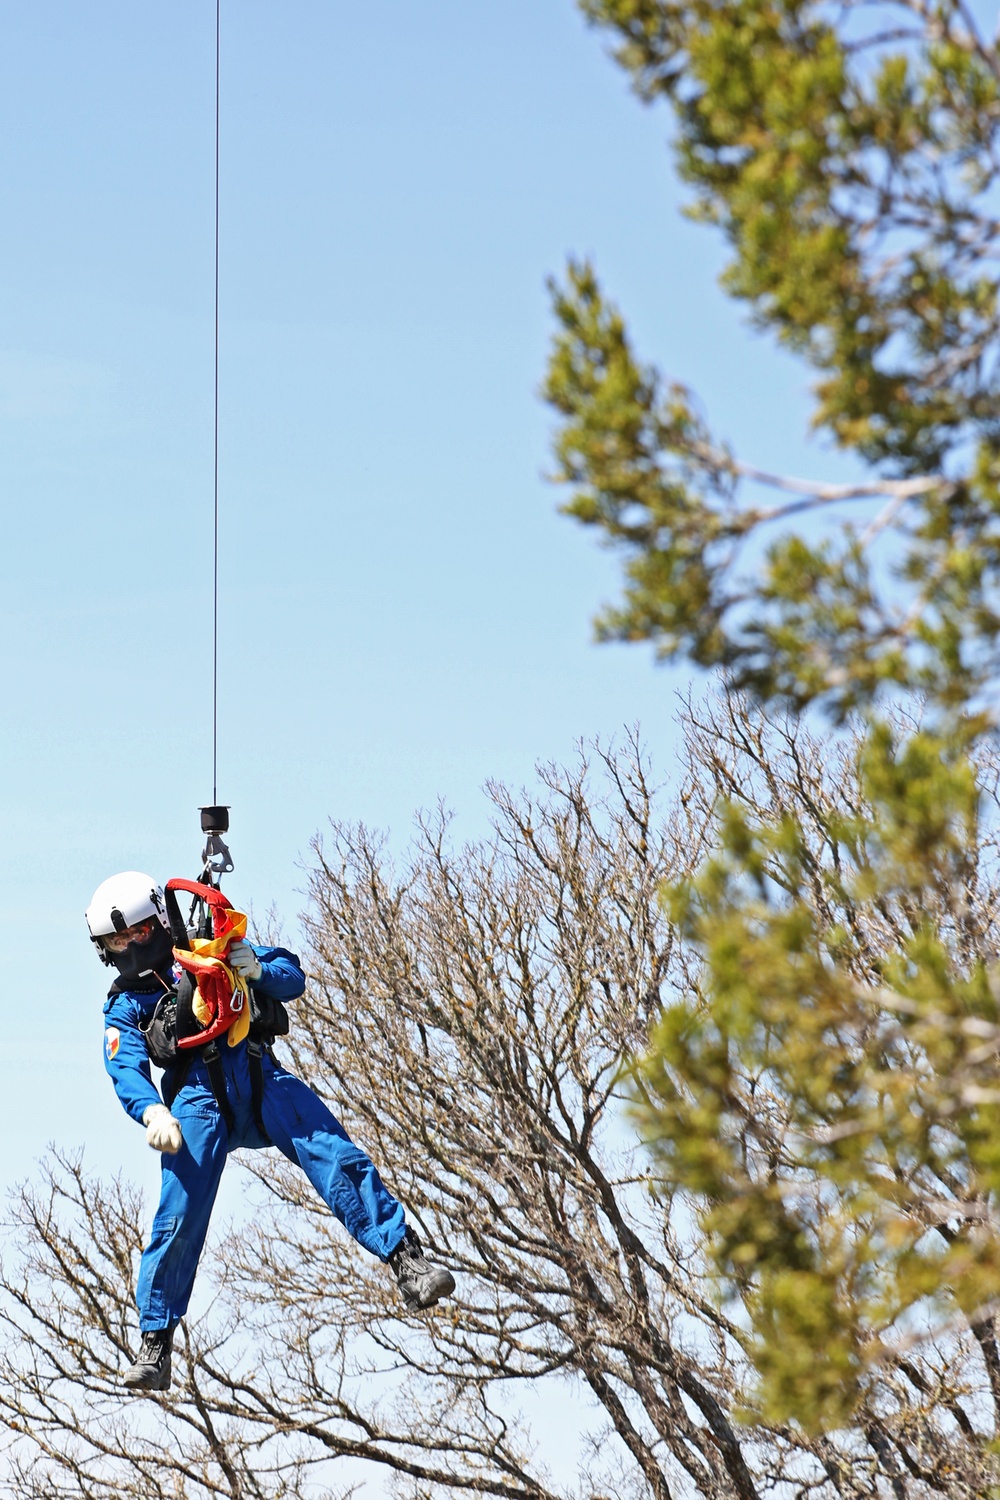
281,977
127,1061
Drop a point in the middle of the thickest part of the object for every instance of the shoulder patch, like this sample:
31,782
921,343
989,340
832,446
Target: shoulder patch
112,1041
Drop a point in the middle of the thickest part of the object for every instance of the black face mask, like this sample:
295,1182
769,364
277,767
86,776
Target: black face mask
139,963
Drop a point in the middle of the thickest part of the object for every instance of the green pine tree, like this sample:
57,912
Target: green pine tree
831,1093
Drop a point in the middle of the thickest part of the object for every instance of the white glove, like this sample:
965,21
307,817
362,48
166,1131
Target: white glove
163,1132
244,960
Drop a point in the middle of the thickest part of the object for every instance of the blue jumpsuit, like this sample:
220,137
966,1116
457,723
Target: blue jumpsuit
296,1120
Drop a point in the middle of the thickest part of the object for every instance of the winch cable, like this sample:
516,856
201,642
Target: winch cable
215,548
215,859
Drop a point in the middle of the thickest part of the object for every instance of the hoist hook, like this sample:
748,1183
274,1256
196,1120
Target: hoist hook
216,859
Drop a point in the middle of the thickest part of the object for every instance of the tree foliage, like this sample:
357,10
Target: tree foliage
472,1017
828,1088
849,155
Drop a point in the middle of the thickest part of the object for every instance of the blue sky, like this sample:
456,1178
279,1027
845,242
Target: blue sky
403,613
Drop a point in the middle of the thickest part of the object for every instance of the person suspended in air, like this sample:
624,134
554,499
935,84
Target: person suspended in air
222,1089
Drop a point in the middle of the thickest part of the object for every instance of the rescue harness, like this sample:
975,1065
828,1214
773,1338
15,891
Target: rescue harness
210,1000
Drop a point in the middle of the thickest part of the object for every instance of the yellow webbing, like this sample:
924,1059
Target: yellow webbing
207,953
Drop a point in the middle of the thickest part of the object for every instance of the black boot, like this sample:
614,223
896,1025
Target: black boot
421,1283
151,1371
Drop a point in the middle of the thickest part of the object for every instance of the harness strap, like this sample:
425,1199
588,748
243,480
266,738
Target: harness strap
213,1066
254,1051
210,1056
179,1072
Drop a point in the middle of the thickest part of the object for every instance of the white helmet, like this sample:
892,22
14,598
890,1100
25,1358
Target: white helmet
120,903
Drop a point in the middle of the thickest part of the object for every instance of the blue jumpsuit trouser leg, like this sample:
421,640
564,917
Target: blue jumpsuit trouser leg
301,1126
304,1129
189,1183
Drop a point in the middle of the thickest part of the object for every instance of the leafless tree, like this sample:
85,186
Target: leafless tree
470,1017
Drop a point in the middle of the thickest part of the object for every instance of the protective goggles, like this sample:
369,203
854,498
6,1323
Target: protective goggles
139,932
